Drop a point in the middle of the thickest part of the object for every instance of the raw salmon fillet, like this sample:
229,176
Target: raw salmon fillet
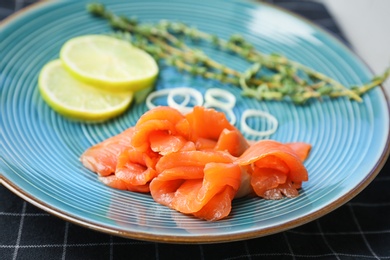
276,169
198,163
201,183
103,157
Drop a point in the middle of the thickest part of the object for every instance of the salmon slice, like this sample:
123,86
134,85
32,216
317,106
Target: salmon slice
276,169
155,121
116,183
198,163
165,185
205,144
232,141
191,158
188,146
102,157
287,189
136,168
183,128
218,207
301,149
191,198
113,182
161,113
264,179
163,143
207,123
205,192
143,132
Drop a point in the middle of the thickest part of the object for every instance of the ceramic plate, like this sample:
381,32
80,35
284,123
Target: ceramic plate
40,150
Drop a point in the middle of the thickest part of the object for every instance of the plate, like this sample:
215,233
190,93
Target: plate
40,150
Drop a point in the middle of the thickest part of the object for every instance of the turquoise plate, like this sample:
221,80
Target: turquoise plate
39,155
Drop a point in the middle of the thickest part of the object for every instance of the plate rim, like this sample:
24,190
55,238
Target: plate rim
369,177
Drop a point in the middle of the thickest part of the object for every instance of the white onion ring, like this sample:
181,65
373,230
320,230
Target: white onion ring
253,112
153,95
228,111
184,91
171,101
212,94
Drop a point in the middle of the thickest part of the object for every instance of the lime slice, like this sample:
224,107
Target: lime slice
78,100
108,63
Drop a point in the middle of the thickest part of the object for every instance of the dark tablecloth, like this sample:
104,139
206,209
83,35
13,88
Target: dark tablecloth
358,230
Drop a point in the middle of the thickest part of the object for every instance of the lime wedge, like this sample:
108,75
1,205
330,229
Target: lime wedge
78,100
109,63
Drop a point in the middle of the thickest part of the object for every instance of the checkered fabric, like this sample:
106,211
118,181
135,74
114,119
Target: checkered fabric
358,230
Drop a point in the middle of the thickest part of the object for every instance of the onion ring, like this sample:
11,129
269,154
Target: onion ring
253,112
153,95
172,102
184,91
211,96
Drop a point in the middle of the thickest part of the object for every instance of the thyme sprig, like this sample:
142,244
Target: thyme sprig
269,77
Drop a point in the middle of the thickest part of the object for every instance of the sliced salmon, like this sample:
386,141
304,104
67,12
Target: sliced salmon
161,113
198,163
163,143
207,123
205,144
164,187
274,167
158,121
136,168
116,183
102,157
203,191
113,182
219,206
216,177
183,128
301,149
142,133
191,158
232,141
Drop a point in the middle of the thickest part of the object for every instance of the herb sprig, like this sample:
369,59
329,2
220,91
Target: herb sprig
270,77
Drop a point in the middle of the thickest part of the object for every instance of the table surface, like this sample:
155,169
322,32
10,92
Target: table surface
360,229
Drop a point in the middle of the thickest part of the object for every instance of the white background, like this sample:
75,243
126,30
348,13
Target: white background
366,25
